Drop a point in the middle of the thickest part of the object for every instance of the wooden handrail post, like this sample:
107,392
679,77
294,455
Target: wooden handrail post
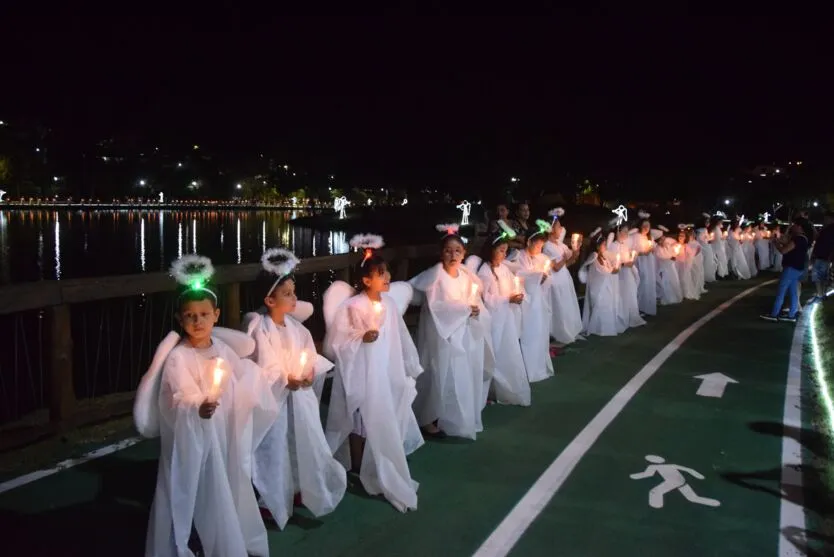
232,319
61,387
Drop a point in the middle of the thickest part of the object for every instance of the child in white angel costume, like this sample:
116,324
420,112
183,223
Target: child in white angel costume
565,317
294,463
622,248
669,289
602,295
454,341
371,426
534,267
503,295
209,407
643,243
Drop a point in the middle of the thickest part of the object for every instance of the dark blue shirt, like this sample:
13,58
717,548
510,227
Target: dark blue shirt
797,258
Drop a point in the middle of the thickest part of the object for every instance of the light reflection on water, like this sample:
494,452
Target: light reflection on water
98,243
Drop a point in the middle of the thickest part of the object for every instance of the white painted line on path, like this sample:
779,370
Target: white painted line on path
791,513
504,538
66,464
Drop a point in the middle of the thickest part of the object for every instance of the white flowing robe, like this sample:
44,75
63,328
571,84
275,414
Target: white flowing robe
689,269
565,316
647,268
374,384
509,381
294,456
204,473
455,352
535,315
735,254
762,250
749,250
719,246
710,262
668,280
629,278
602,298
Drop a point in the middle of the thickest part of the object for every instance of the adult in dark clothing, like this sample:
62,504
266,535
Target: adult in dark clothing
822,255
794,250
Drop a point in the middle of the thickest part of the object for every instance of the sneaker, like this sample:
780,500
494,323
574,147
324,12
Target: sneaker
787,319
768,317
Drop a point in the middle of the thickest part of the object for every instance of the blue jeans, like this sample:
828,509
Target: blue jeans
787,285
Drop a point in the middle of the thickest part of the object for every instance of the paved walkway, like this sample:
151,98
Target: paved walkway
642,456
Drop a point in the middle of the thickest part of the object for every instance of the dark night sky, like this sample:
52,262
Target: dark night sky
462,98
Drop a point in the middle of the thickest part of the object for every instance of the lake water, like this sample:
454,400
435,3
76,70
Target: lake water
46,245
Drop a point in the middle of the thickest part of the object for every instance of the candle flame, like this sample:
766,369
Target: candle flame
218,373
303,358
377,307
517,284
547,266
474,290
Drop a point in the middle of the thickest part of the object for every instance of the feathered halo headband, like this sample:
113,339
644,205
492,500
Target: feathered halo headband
450,229
368,243
544,229
643,214
280,262
507,233
556,213
193,271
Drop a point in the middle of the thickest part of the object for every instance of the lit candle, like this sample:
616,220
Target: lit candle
547,266
677,249
377,307
633,255
617,264
574,240
473,295
302,364
217,380
517,285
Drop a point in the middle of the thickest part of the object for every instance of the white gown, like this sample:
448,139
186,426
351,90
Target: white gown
689,269
749,250
602,298
509,381
204,473
719,246
762,250
629,278
535,315
374,389
294,456
565,317
710,262
647,268
736,257
669,288
455,352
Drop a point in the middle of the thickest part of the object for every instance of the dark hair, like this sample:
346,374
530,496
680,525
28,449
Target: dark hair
266,282
449,237
374,263
188,294
488,248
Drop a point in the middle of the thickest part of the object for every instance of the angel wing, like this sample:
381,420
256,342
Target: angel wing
472,263
240,342
334,296
583,270
402,292
303,311
250,321
146,404
655,234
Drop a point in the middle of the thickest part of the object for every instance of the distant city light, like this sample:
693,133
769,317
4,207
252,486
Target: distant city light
778,170
196,147
816,203
286,167
142,182
193,182
762,174
369,202
55,178
726,202
749,181
332,177
239,186
799,163
2,123
37,149
514,179
104,159
179,165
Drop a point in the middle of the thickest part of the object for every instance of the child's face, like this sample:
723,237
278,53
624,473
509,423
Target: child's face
502,212
499,254
452,254
282,300
379,280
523,211
622,235
197,319
645,227
556,232
681,237
535,245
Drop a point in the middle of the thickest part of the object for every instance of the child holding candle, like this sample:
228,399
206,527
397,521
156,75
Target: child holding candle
643,240
669,289
620,242
748,247
762,242
293,464
209,407
718,240
704,239
602,294
534,268
503,294
737,261
687,265
370,424
454,341
565,317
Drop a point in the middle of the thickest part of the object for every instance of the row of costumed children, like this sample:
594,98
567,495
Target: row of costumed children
237,409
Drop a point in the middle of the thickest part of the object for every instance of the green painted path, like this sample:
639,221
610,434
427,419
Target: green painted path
468,488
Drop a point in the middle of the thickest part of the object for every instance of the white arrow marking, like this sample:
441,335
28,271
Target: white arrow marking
713,384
